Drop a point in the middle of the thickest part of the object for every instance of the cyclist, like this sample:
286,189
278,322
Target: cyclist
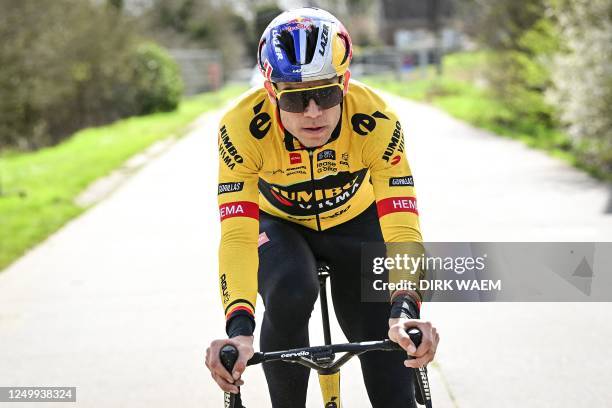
310,166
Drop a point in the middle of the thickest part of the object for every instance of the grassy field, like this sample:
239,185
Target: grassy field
37,190
461,93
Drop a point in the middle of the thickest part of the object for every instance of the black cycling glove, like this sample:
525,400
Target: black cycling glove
241,324
404,307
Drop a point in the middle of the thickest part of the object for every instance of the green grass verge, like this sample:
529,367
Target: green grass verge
458,92
37,190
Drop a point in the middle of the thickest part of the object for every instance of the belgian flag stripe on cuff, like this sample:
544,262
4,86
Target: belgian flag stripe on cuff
239,306
246,309
237,301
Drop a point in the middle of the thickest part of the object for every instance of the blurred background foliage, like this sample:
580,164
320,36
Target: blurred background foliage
69,64
548,63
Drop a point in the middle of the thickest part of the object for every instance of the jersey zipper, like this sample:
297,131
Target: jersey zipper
314,192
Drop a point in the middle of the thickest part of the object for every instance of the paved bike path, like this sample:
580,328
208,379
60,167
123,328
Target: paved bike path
122,302
477,187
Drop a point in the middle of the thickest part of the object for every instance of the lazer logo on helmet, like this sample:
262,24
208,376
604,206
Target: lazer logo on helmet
227,151
324,39
397,142
299,199
277,48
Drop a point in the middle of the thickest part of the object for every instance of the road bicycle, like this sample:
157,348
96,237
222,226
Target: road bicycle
323,358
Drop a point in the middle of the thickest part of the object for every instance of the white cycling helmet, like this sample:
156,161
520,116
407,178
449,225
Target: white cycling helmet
304,44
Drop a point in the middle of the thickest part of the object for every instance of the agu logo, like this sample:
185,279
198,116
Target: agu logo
226,295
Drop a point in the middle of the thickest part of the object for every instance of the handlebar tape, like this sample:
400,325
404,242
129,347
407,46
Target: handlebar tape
228,356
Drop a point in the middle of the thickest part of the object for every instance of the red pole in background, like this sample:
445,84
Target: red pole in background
215,76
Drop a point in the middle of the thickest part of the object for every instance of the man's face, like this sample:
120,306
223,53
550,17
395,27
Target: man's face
314,126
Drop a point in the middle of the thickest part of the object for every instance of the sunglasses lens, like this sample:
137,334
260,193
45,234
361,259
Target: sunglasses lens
291,102
297,101
328,97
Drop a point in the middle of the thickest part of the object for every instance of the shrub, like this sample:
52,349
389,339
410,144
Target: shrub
157,85
582,77
519,76
71,64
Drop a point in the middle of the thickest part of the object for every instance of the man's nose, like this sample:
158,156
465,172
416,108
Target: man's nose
312,109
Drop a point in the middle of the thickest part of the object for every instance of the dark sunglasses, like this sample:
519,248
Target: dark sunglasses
296,100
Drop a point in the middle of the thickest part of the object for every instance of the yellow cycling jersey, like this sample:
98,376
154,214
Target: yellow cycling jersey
263,167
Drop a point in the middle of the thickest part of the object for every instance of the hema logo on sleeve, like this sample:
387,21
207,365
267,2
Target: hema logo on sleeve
396,204
239,209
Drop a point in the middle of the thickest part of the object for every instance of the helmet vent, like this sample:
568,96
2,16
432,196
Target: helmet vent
347,47
287,42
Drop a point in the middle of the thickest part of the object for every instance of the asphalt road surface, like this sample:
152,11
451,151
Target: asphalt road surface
122,302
